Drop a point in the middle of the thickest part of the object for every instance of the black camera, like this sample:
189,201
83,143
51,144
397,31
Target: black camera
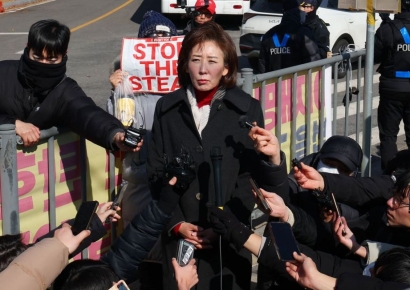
190,10
182,167
133,136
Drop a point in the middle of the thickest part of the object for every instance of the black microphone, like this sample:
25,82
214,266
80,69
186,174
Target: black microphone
216,157
243,122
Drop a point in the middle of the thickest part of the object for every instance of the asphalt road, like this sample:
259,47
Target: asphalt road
98,27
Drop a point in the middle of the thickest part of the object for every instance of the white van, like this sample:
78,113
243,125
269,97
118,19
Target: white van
223,7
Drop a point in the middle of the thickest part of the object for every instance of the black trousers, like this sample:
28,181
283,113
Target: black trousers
393,107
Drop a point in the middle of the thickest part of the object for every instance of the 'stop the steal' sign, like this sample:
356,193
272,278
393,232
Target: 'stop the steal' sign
152,63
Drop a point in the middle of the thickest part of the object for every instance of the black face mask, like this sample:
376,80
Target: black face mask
40,77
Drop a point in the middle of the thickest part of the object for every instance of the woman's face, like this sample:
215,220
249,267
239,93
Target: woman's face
206,66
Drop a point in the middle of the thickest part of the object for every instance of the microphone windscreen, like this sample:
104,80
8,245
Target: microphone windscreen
216,151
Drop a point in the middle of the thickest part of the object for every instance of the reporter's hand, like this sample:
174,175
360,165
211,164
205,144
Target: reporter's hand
229,227
308,177
187,276
105,211
276,203
119,139
65,235
208,237
29,133
303,270
265,142
348,239
116,77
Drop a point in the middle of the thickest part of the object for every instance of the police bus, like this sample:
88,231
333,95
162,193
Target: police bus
223,7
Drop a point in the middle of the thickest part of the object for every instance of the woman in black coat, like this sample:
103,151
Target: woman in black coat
195,119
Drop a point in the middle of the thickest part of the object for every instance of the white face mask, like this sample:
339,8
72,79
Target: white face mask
321,167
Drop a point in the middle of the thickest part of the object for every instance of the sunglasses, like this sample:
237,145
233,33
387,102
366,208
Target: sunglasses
159,34
306,6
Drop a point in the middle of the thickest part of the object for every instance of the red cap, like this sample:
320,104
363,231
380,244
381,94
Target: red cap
211,5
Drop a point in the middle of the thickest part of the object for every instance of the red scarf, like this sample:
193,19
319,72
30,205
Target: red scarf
204,98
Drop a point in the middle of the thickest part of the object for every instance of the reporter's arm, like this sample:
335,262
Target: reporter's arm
37,267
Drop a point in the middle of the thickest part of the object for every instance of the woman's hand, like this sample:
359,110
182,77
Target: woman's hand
190,233
308,177
265,142
105,211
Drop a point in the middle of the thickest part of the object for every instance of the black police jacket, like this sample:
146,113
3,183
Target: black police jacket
392,50
288,44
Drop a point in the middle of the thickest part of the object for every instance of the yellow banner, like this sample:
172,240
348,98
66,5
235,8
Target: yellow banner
33,185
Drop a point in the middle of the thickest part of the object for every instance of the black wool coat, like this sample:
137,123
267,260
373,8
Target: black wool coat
173,127
66,105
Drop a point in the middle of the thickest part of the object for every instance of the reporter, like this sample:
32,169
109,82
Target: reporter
38,266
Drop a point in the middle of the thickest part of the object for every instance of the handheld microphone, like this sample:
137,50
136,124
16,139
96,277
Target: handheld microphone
243,122
216,157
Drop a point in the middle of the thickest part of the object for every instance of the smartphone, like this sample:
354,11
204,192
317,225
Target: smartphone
185,252
255,187
337,209
284,240
120,285
84,216
296,163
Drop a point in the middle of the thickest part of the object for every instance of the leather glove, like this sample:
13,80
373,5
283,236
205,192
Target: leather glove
227,225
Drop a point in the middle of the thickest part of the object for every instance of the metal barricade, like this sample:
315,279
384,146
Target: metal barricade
248,81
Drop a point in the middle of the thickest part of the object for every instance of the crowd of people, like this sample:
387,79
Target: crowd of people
357,239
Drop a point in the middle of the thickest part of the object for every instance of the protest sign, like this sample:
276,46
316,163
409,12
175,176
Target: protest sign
152,63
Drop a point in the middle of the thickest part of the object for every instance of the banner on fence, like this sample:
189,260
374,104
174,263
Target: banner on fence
303,109
152,63
33,186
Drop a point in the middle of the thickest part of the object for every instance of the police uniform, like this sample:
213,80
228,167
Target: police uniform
319,28
392,49
288,44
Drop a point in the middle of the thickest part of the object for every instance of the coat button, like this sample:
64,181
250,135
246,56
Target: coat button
199,149
220,107
198,196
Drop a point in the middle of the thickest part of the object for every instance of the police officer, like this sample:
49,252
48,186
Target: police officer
392,50
290,43
317,25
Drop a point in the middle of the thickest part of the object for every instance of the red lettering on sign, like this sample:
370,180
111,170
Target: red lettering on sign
146,65
27,177
149,82
153,47
171,50
139,49
70,161
175,67
135,81
162,84
159,68
175,85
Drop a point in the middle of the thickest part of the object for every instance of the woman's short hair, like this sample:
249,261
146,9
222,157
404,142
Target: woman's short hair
11,246
209,31
393,265
85,275
49,35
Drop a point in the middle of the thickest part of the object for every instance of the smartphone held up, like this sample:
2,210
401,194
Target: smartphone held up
84,216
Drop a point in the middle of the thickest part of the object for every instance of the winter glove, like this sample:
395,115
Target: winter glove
169,198
352,91
227,225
